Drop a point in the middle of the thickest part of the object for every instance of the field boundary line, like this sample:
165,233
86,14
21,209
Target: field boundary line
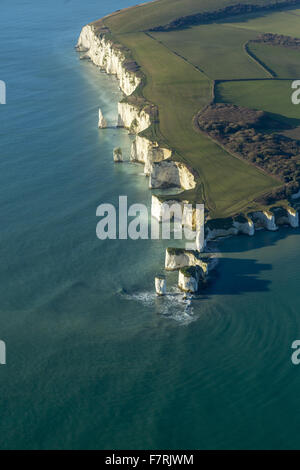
257,61
235,155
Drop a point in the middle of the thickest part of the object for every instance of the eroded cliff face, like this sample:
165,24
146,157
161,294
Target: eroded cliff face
143,150
189,281
176,259
147,152
168,174
268,220
245,227
181,258
160,286
215,229
134,119
213,233
160,210
105,55
219,228
265,220
286,216
186,214
293,217
163,171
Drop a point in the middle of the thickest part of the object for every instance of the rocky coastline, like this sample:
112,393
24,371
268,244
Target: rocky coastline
164,172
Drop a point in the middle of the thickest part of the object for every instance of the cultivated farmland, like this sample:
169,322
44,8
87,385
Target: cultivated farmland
184,67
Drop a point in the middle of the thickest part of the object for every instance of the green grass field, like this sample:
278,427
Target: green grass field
272,96
285,22
281,60
180,91
179,68
148,15
206,46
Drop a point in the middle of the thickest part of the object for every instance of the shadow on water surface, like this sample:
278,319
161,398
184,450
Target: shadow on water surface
261,239
241,275
238,276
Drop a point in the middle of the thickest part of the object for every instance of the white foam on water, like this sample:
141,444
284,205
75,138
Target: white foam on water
174,305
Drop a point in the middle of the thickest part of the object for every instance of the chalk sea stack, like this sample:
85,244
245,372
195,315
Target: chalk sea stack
118,155
102,124
160,285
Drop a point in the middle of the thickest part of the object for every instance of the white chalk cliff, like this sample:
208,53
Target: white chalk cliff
286,216
132,118
188,282
105,55
147,152
118,155
163,171
181,258
102,124
293,217
213,233
265,220
247,227
160,210
169,173
160,286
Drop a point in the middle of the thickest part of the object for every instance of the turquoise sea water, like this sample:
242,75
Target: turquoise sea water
88,365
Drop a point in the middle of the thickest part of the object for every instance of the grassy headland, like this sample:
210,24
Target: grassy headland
180,68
